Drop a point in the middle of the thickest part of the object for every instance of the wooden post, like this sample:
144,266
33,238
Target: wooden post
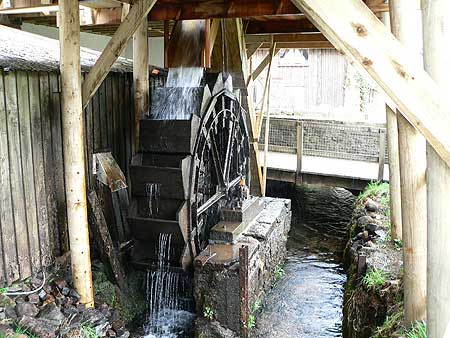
381,153
243,289
73,143
406,26
299,151
436,38
166,43
395,203
140,77
266,140
394,174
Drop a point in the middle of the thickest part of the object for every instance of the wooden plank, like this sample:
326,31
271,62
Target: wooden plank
49,168
116,140
61,212
264,63
9,260
252,48
109,113
351,27
381,153
299,147
27,160
281,26
104,242
16,175
39,170
103,114
289,38
115,47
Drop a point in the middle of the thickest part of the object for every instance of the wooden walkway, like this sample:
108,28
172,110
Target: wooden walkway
322,170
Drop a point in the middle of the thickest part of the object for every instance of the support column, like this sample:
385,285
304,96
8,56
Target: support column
140,77
406,26
436,38
395,203
73,143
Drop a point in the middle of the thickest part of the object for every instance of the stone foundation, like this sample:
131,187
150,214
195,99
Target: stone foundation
216,277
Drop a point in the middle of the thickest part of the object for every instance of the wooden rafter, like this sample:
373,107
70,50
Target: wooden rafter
357,32
115,47
266,61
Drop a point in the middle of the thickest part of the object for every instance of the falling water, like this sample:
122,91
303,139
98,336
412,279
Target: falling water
167,313
153,192
177,101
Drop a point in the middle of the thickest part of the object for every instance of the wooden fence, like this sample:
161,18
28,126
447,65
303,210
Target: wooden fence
33,225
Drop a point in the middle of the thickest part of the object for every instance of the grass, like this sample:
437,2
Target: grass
391,324
374,278
88,331
208,313
279,272
2,291
251,322
418,330
256,306
20,331
376,189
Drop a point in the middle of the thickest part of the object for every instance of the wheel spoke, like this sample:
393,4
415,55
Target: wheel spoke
213,199
216,159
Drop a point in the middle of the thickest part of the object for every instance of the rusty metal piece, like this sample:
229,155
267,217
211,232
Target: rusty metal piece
243,289
108,171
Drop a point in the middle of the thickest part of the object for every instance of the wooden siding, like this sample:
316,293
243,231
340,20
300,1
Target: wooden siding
33,225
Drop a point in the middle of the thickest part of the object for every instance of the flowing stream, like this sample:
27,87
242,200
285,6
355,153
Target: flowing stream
307,301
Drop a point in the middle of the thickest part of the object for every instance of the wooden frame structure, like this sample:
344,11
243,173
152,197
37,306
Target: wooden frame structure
349,25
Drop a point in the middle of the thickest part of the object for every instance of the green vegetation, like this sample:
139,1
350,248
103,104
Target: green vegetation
279,272
19,332
374,278
376,189
398,244
390,325
88,331
208,313
418,330
251,322
2,291
256,306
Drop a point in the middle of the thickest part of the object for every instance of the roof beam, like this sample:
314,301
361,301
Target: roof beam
355,30
115,47
280,26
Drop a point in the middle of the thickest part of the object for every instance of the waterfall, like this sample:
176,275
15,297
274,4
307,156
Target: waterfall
167,313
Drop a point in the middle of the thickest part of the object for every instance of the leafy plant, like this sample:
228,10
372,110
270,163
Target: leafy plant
374,278
374,189
208,313
398,244
418,330
2,291
88,331
256,306
251,322
279,272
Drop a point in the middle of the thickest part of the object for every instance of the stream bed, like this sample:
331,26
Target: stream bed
307,301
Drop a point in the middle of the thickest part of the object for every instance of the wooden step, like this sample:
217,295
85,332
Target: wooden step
173,181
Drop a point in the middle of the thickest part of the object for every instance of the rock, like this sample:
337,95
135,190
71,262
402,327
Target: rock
26,309
6,331
34,298
49,299
5,301
10,312
371,205
65,291
42,294
372,227
2,315
118,324
364,220
365,235
125,335
60,283
38,327
370,244
111,333
52,314
75,295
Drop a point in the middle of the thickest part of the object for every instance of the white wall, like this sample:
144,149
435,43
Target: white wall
98,42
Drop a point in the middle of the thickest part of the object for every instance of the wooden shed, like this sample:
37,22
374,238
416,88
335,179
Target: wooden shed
33,223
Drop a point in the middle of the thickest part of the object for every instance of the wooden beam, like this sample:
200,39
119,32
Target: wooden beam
381,154
263,64
301,45
406,23
358,33
115,47
252,48
73,143
140,78
280,26
215,25
288,38
436,49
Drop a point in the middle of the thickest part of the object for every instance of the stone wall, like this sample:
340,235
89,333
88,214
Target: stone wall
216,283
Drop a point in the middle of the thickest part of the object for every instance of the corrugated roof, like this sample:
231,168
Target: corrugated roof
21,50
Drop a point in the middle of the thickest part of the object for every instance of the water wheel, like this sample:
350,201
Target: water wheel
187,169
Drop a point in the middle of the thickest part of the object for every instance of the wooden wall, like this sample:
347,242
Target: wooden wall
33,225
